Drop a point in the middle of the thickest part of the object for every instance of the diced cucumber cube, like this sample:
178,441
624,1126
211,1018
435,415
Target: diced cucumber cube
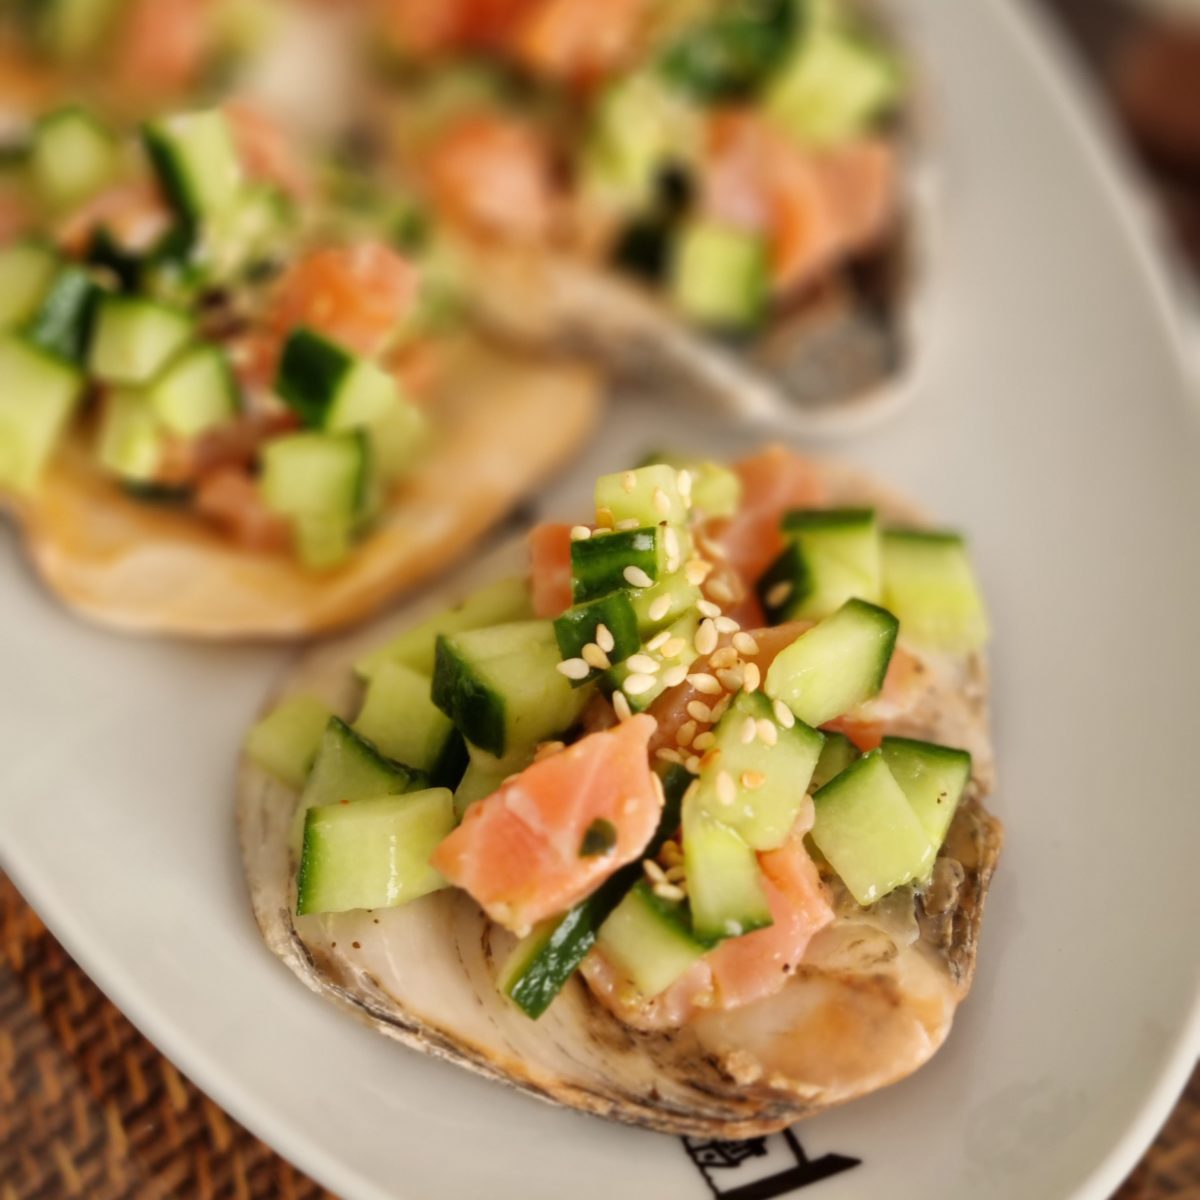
725,890
322,541
624,558
71,30
928,582
329,388
868,832
832,556
284,743
836,665
580,626
134,338
38,394
649,939
197,162
26,269
398,435
673,654
648,495
837,754
130,441
719,275
372,853
400,717
320,475
499,603
63,320
502,688
73,157
932,777
195,391
653,612
758,780
716,490
484,775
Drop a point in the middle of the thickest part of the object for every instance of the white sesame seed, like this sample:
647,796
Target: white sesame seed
659,640
705,741
580,533
719,590
749,731
605,639
683,481
621,706
707,608
685,733
674,676
699,710
574,668
671,545
703,682
676,873
727,625
636,577
726,656
751,677
673,647
595,657
744,643
669,891
783,714
638,684
656,873
726,788
696,571
731,679
713,549
705,640
662,502
778,594
627,523
721,707
658,791
693,764
666,754
753,780
642,664
546,749
659,608
768,731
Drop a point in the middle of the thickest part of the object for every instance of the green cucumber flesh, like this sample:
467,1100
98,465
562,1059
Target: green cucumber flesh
581,625
836,665
719,275
195,391
26,270
837,754
928,582
372,853
197,162
73,157
284,742
677,650
330,388
130,441
133,338
868,832
652,614
73,30
649,939
647,495
716,489
312,474
502,688
607,561
38,394
932,777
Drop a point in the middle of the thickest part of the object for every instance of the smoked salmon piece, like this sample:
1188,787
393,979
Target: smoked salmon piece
550,568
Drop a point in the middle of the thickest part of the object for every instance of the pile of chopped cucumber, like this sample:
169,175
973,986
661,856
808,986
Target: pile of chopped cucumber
457,705
811,67
138,331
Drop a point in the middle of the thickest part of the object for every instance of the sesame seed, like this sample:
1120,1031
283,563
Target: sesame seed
643,664
705,741
574,668
674,676
670,852
546,749
627,523
677,873
671,544
595,657
662,502
658,791
753,780
604,638
768,731
683,481
705,640
621,706
580,533
693,764
659,640
726,788
604,518
707,608
720,590
659,608
749,731
783,714
629,481
703,682
710,758
721,706
669,891
638,684
751,677
685,733
653,870
673,647
727,625
778,594
636,577
699,710
731,679
666,754
713,549
726,656
744,643
696,571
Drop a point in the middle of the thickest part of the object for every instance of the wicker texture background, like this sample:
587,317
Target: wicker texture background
89,1108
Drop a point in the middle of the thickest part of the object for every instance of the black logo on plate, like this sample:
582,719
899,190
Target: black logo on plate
761,1168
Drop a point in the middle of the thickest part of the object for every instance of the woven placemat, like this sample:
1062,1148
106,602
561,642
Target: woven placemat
89,1108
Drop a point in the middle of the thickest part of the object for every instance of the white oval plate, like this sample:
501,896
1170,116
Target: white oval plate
1056,429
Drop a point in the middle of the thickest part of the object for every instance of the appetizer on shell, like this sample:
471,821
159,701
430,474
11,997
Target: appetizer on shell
230,405
741,188
680,823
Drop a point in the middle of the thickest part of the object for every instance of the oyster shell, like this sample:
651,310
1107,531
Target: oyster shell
503,424
873,1000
